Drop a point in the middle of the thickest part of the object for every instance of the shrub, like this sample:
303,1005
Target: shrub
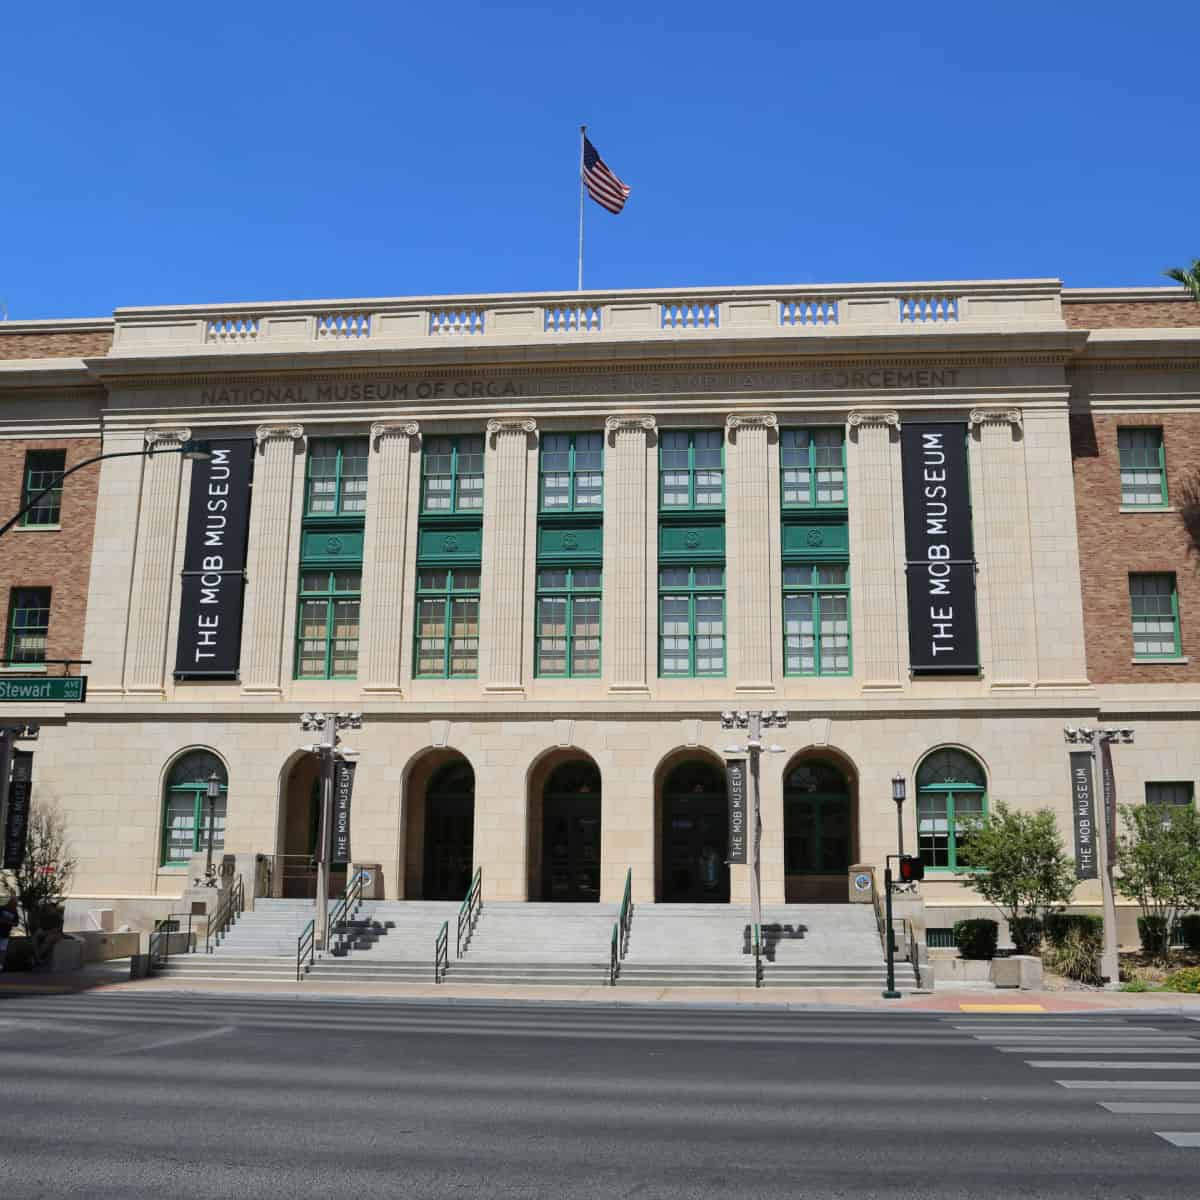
976,938
1185,980
1189,931
1135,985
1026,934
1076,955
1059,926
1153,934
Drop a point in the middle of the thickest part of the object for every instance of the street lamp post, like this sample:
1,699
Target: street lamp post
212,791
899,790
1106,835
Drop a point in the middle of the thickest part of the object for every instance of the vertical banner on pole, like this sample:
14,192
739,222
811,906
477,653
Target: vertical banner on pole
343,790
1083,810
1109,786
16,825
735,777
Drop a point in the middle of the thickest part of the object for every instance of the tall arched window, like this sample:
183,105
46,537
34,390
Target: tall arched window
951,791
185,807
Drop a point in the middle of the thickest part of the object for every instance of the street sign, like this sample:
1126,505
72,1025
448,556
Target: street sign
735,777
43,689
16,819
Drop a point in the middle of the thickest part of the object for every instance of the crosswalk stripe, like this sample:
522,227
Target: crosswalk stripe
1132,1108
1137,1085
1188,1141
1099,1064
1108,1049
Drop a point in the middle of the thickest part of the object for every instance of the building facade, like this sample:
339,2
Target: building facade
542,542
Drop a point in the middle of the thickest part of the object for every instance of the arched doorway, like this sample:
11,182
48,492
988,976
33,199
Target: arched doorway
449,832
694,835
300,825
818,830
571,832
186,812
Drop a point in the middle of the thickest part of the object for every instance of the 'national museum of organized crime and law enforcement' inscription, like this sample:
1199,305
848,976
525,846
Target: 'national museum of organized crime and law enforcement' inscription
656,382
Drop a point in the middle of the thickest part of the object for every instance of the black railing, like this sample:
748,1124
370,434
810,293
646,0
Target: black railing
441,953
914,952
756,938
468,913
346,906
306,948
227,912
160,938
620,934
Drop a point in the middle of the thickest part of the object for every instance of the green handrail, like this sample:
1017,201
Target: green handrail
620,933
441,953
468,913
306,942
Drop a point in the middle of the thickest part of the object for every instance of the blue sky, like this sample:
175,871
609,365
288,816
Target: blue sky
171,153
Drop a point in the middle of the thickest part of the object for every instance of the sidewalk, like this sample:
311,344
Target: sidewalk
113,977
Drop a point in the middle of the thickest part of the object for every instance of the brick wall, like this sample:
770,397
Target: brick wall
58,559
1112,544
84,343
1131,314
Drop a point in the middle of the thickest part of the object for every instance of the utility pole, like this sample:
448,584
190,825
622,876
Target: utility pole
1106,837
329,751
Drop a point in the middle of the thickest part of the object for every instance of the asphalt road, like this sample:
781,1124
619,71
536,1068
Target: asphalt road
175,1095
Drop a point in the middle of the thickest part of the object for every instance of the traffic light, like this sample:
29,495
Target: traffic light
912,869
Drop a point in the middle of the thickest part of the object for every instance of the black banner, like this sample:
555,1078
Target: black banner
20,794
943,638
735,777
214,563
1109,787
343,790
1083,811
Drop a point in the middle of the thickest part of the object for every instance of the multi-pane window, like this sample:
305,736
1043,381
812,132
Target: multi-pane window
28,625
951,796
1155,611
813,467
691,469
447,642
572,472
327,637
452,474
185,807
691,621
337,477
1143,468
816,619
43,469
1170,794
568,621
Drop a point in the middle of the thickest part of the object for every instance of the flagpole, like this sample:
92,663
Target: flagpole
582,136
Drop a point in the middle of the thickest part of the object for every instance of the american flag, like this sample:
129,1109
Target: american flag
602,185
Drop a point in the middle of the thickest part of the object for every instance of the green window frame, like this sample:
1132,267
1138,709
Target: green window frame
816,619
336,481
185,808
1143,464
691,622
691,470
452,474
951,791
28,625
446,641
1154,611
567,634
43,469
327,626
812,467
571,472
1170,795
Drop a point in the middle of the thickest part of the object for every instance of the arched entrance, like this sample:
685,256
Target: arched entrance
449,832
300,821
818,829
694,834
571,832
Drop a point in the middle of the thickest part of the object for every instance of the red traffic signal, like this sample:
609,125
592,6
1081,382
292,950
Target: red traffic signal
912,869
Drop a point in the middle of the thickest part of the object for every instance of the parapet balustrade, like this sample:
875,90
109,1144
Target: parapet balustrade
612,316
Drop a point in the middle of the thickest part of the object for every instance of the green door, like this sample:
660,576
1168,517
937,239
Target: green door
449,832
695,836
818,835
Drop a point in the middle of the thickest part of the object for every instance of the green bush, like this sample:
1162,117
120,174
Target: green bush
1185,980
1059,926
1189,931
1026,934
976,938
1135,985
1153,934
1077,954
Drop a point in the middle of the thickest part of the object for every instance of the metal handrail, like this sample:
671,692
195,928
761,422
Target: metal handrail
230,909
159,947
351,898
468,913
614,959
621,928
441,953
306,944
756,937
914,957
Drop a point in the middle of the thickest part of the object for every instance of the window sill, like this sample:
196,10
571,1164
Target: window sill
1148,508
35,668
1154,662
36,528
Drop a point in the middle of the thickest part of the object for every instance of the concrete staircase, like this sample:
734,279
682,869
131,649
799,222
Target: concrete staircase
388,941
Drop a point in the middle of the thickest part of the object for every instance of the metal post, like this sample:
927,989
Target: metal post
754,743
1110,960
890,993
582,137
900,829
328,743
208,867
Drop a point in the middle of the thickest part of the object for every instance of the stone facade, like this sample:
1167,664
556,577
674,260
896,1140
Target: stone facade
745,366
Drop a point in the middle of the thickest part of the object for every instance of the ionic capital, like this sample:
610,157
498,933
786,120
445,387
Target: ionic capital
499,425
629,421
994,416
753,420
408,429
156,437
873,416
268,433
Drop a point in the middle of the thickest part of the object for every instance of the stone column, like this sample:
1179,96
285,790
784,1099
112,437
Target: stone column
752,523
504,525
629,539
1002,546
386,553
877,595
154,562
270,594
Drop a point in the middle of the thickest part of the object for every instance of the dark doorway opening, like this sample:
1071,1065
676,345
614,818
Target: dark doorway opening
449,832
571,833
695,835
818,830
